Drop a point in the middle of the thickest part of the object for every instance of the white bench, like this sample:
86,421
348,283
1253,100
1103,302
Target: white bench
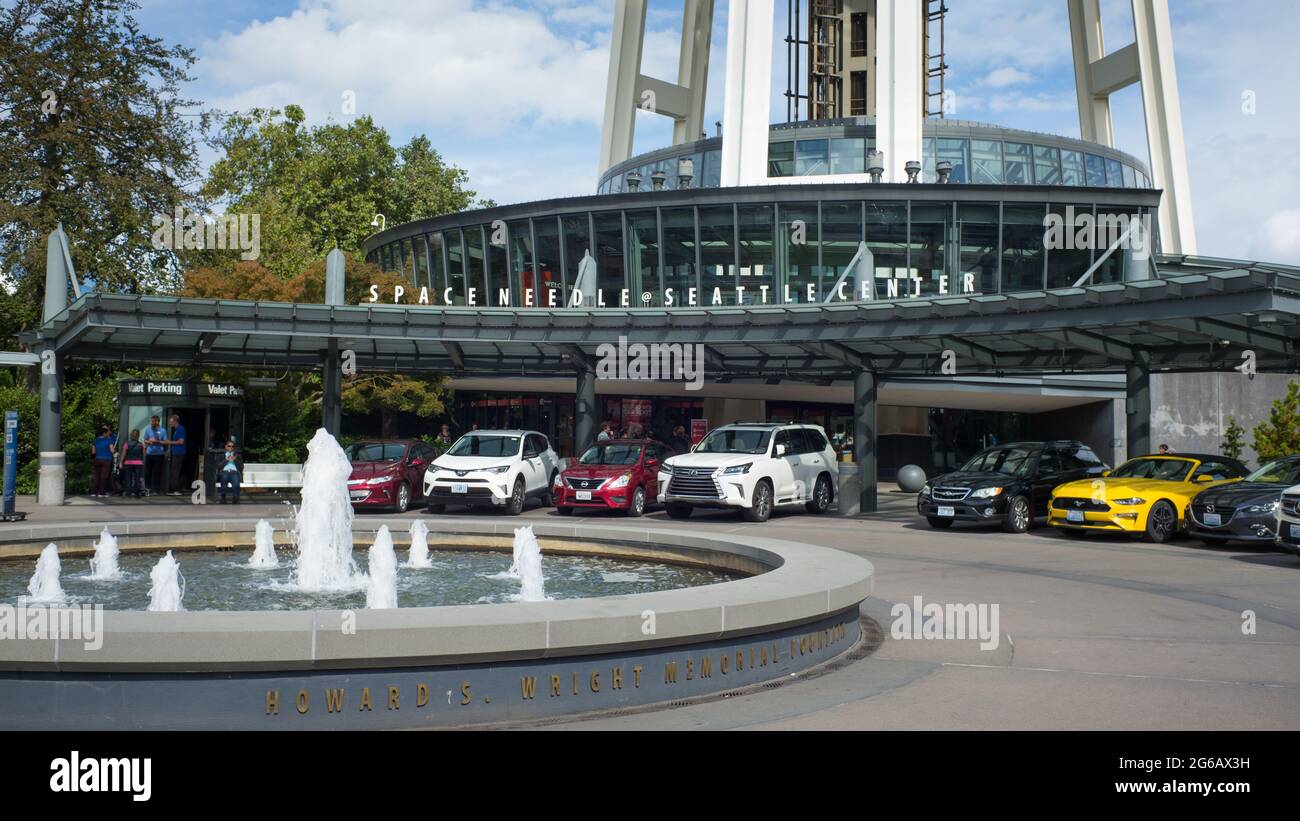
270,476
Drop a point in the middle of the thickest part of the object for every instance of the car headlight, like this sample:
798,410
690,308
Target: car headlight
1268,508
1132,500
925,491
559,481
986,493
379,480
664,467
500,469
620,481
737,469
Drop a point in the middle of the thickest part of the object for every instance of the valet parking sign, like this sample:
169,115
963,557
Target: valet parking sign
10,460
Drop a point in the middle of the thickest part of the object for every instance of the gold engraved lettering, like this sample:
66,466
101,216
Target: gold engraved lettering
594,683
706,667
636,672
273,702
334,700
575,683
723,661
670,673
555,685
740,660
616,678
465,697
366,703
690,669
762,657
302,702
393,694
528,684
421,695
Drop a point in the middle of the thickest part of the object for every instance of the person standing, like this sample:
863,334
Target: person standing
179,477
230,469
155,453
444,435
606,433
679,443
104,450
133,457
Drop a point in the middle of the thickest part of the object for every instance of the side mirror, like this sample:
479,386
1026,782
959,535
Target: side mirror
1105,473
780,450
1204,477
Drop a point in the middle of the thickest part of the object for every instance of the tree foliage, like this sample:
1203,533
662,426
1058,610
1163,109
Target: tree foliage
1279,434
1234,439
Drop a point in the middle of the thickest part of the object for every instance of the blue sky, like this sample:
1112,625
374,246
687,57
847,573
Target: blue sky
512,90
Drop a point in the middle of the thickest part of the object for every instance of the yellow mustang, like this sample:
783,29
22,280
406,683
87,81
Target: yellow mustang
1148,495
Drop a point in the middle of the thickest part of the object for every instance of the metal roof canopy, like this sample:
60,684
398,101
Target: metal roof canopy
1201,315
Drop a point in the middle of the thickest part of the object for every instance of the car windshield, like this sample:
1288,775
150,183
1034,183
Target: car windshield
1011,461
375,452
1278,472
1167,470
473,444
611,455
736,440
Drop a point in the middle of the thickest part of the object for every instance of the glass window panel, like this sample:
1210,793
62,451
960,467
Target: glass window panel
928,149
455,266
421,262
797,240
1019,171
386,257
931,225
841,235
717,253
849,156
497,280
1096,170
577,244
1114,173
679,255
610,262
476,270
757,269
1112,224
1047,165
643,261
1130,180
977,232
886,235
810,157
437,271
546,262
404,259
1022,247
780,159
1072,172
1066,263
955,152
522,281
986,162
712,174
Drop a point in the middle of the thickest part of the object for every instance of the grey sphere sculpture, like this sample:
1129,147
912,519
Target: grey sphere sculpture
911,478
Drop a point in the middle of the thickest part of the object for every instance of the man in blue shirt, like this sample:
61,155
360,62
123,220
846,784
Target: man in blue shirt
176,439
155,453
104,452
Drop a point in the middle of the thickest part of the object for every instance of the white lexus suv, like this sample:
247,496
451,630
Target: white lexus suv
492,467
1288,521
753,466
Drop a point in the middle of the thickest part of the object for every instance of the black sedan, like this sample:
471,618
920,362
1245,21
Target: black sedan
1244,511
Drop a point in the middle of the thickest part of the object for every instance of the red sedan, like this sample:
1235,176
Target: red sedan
387,473
620,474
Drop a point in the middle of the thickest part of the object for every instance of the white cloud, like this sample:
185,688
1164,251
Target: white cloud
1279,239
1006,76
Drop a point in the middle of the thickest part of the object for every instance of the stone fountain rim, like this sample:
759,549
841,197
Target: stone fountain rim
805,583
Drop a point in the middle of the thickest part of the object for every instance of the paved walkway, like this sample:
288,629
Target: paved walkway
1094,634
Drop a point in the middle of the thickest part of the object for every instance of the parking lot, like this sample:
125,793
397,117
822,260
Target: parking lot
1093,633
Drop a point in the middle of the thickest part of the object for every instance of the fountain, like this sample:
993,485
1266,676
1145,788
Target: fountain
381,592
44,586
528,557
322,527
264,551
103,567
419,554
168,586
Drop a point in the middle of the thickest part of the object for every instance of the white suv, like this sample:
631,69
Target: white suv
1288,521
754,466
492,467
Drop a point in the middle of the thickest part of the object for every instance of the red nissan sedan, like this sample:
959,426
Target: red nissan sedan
387,473
620,474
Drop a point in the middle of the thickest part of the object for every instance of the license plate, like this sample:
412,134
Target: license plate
459,487
1295,531
947,511
357,495
1074,515
583,495
1213,519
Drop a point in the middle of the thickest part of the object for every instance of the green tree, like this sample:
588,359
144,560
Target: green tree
1234,439
93,135
1279,434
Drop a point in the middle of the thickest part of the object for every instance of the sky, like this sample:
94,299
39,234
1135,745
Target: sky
513,90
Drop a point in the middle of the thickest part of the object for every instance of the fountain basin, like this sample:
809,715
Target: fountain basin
441,666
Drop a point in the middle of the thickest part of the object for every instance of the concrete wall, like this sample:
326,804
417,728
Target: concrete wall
1189,411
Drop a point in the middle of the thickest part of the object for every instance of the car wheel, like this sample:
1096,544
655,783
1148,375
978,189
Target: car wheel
432,508
1019,517
565,511
1162,522
761,508
939,523
677,510
403,497
517,498
821,500
637,507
